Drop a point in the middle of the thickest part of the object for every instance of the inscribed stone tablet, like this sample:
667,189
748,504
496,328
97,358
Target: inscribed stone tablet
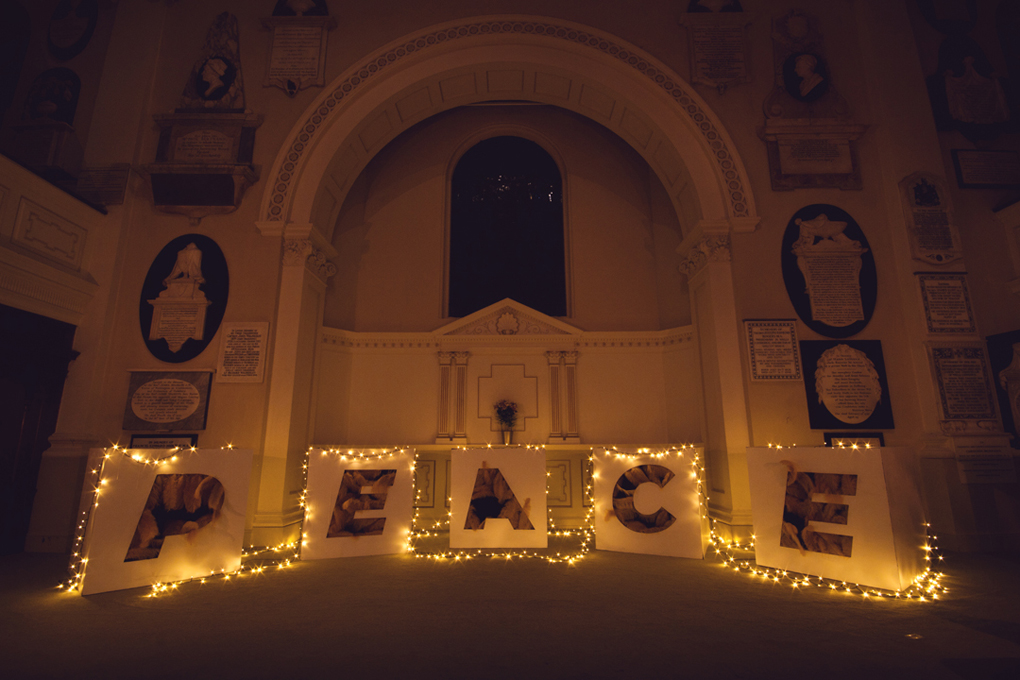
845,383
829,271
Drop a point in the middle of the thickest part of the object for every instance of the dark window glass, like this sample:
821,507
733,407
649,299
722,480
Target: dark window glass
506,228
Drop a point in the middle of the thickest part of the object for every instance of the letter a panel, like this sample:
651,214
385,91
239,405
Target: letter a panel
497,498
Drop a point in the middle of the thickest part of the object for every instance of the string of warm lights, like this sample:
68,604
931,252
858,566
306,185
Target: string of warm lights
254,559
585,533
342,455
739,556
733,553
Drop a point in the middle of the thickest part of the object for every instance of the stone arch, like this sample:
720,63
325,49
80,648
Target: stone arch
505,59
512,58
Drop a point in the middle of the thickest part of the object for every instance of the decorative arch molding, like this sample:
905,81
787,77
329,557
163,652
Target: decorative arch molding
510,58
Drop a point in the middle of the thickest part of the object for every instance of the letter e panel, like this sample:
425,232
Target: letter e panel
842,514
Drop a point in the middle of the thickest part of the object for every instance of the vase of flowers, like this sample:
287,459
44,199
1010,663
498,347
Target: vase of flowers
506,413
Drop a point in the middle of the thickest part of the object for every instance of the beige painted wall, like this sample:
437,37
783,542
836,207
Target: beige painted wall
623,231
623,269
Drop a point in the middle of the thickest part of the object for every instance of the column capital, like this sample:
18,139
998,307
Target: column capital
300,251
714,248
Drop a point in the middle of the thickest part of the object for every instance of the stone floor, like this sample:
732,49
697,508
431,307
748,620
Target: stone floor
611,615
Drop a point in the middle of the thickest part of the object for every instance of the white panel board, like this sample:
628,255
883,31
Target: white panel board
882,514
517,493
646,503
137,499
357,506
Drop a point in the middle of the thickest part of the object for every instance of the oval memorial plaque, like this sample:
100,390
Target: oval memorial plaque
166,400
829,271
183,298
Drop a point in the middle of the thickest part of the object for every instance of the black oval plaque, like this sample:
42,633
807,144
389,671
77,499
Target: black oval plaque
183,298
71,27
822,248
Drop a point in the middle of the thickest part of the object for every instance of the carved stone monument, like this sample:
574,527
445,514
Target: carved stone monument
928,211
845,383
946,302
179,311
808,130
203,160
718,43
297,54
183,298
967,402
45,140
829,271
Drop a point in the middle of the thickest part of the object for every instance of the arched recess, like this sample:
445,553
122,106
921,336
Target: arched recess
505,58
547,145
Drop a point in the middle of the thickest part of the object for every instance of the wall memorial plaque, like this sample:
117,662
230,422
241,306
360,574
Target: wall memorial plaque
984,460
1004,360
71,27
829,271
928,211
242,352
183,298
204,154
772,349
809,134
946,303
167,400
977,169
846,385
966,394
719,46
164,441
297,53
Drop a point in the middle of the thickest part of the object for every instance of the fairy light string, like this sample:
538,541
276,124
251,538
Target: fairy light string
254,559
419,532
740,557
731,553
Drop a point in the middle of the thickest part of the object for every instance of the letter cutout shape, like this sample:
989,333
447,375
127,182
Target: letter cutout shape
177,504
800,508
884,517
351,499
646,501
359,506
492,497
504,488
623,499
165,515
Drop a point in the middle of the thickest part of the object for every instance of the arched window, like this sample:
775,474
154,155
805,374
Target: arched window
506,228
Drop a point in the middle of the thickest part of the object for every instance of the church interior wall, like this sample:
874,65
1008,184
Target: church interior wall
985,239
623,235
623,268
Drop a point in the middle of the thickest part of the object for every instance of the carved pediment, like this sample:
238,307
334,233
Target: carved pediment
508,317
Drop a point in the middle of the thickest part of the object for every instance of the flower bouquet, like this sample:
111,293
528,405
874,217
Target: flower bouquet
506,413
